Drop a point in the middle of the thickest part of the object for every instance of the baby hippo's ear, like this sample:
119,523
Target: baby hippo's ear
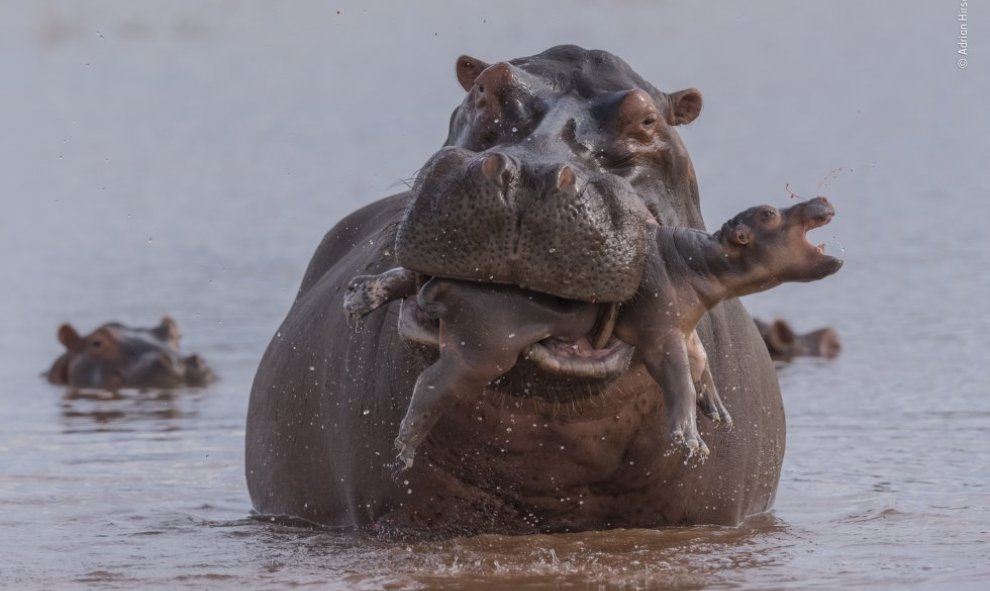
68,336
740,235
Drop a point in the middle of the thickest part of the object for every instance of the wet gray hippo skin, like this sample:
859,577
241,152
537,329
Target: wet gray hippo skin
537,450
483,330
115,356
784,343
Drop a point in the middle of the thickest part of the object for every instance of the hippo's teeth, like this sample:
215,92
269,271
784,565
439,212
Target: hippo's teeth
602,333
821,248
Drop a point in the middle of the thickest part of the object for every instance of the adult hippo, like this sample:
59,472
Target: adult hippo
115,356
588,151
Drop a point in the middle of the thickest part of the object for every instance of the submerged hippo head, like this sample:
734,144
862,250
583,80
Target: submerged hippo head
784,343
554,165
115,356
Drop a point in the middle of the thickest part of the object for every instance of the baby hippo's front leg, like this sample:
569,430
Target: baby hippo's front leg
437,387
367,293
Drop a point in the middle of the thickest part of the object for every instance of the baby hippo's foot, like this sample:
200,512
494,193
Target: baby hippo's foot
686,439
364,295
406,454
710,404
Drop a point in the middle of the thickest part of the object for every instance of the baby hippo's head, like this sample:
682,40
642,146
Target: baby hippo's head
765,240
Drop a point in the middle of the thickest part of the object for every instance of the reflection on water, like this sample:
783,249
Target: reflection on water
127,410
185,158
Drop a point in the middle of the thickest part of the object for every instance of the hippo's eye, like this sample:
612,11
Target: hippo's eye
768,215
649,121
97,344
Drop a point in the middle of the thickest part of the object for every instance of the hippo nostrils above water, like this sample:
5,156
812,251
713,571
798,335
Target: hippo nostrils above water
115,356
553,167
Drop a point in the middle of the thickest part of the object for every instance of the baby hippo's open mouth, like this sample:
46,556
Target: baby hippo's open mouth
817,220
559,355
812,214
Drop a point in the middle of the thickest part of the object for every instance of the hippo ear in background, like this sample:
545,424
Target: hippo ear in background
69,337
781,335
685,106
468,69
168,331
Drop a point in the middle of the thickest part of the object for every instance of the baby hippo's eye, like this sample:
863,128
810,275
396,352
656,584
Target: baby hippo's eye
767,215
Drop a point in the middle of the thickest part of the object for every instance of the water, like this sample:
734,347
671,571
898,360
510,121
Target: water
186,158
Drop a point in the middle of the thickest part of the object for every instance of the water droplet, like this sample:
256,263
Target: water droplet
366,412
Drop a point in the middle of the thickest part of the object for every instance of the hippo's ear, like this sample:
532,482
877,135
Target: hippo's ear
168,331
685,106
468,69
740,235
68,336
781,336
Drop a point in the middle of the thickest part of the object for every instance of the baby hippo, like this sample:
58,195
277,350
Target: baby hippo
484,328
115,356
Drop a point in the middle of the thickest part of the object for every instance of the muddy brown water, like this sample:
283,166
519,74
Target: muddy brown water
186,158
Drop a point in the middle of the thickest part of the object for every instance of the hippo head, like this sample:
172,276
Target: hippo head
784,343
773,243
553,167
115,356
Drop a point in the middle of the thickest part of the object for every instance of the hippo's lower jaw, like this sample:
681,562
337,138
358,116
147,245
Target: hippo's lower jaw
557,356
579,359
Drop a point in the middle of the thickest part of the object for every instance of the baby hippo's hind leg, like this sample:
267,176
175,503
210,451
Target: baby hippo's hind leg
668,364
709,401
367,293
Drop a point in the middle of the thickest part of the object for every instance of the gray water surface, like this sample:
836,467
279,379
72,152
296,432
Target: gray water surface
185,158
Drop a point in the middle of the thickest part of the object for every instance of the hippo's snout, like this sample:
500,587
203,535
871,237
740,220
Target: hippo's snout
507,217
197,372
812,213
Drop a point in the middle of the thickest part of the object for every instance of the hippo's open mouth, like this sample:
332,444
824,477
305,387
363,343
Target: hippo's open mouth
819,212
555,355
817,220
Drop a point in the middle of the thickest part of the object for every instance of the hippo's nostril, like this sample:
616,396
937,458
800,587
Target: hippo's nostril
498,168
494,165
566,178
